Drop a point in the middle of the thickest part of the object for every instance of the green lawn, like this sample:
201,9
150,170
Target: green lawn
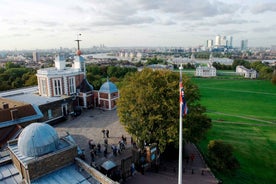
243,114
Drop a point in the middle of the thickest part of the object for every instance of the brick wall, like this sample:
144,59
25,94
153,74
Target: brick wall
50,162
56,108
93,172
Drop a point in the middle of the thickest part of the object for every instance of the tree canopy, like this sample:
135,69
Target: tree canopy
220,155
149,108
15,76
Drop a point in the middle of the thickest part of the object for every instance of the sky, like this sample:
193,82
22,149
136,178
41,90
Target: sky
45,24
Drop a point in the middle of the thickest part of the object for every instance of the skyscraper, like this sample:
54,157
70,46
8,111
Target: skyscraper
209,43
230,42
217,41
36,56
244,44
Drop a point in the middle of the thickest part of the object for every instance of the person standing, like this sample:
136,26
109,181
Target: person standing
99,147
103,131
92,154
107,133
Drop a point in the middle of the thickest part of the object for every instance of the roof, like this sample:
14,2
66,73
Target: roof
29,95
9,174
85,86
107,165
108,87
37,139
24,159
24,113
68,174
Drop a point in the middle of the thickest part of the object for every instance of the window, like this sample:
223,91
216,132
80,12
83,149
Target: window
57,87
43,87
50,116
72,88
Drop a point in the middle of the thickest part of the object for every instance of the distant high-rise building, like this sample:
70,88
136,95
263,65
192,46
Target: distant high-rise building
223,41
244,44
35,56
217,41
273,49
230,42
209,43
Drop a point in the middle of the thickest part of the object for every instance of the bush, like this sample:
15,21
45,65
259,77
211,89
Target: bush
273,80
221,158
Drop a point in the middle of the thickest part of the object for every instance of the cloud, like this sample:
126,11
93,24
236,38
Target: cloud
135,12
263,7
264,29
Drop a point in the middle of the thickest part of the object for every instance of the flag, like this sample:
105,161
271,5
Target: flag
182,100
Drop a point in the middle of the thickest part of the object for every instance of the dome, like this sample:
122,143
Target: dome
108,87
37,139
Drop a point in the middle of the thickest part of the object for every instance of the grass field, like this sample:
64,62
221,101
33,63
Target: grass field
243,114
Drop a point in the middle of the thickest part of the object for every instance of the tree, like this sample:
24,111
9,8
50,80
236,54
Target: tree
273,80
149,108
240,62
221,158
264,71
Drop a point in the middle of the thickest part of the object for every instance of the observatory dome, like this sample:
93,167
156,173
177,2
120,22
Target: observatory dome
37,139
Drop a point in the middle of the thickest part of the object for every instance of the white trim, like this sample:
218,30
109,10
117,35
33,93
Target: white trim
57,86
72,85
43,86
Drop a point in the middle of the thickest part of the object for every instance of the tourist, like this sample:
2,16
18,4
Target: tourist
106,141
103,131
107,133
90,143
99,147
132,169
105,150
92,154
192,157
114,149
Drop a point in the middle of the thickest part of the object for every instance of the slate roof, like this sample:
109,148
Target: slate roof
85,86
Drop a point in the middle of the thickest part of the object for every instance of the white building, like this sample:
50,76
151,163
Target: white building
205,71
60,80
247,73
66,81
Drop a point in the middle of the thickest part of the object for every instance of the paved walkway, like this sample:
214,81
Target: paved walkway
90,125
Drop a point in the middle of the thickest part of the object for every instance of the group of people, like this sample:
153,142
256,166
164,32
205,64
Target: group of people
120,146
105,133
96,149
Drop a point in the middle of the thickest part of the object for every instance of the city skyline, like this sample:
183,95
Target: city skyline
52,24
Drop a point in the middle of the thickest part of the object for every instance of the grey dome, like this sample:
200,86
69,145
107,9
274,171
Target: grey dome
108,87
37,139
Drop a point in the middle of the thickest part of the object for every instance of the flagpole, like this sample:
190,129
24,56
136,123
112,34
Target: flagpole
180,133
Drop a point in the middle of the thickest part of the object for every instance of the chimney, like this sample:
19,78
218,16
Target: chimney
14,114
5,105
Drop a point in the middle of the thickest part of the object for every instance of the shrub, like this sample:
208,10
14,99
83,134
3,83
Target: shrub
221,158
273,80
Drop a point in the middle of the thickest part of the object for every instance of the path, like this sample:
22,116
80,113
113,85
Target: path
244,117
